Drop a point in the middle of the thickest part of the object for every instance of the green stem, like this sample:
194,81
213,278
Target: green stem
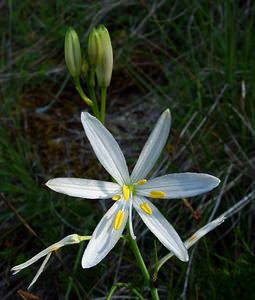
94,99
103,103
154,293
81,92
142,266
92,94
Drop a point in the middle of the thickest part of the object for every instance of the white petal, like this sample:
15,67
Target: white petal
84,188
152,148
106,148
162,229
105,236
179,185
39,272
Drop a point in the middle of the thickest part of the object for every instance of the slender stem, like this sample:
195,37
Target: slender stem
94,99
103,103
142,266
140,260
81,92
154,293
92,94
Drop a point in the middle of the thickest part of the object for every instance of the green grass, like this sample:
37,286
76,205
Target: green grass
190,56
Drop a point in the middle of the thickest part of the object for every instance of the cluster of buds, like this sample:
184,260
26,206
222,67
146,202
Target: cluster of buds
100,56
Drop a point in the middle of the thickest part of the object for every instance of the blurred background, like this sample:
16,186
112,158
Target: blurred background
195,57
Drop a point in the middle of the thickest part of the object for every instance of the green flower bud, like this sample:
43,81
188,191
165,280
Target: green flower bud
104,67
73,53
95,48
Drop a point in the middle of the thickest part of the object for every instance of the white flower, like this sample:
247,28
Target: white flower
68,240
129,191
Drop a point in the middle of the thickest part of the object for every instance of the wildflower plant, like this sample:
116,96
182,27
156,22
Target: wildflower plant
127,190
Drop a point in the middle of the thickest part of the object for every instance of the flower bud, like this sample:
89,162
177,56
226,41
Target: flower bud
104,67
95,48
73,53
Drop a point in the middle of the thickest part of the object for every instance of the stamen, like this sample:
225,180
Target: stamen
157,194
146,208
141,182
126,191
119,219
116,197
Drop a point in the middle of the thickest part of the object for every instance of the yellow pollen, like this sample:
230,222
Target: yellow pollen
157,194
116,197
119,219
126,189
141,182
146,207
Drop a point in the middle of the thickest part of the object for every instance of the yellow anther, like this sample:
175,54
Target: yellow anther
157,194
119,219
141,182
116,197
126,189
146,207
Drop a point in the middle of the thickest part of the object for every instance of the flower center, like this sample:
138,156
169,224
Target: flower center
127,190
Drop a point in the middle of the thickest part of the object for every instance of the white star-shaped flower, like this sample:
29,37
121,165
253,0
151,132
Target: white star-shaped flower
131,191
